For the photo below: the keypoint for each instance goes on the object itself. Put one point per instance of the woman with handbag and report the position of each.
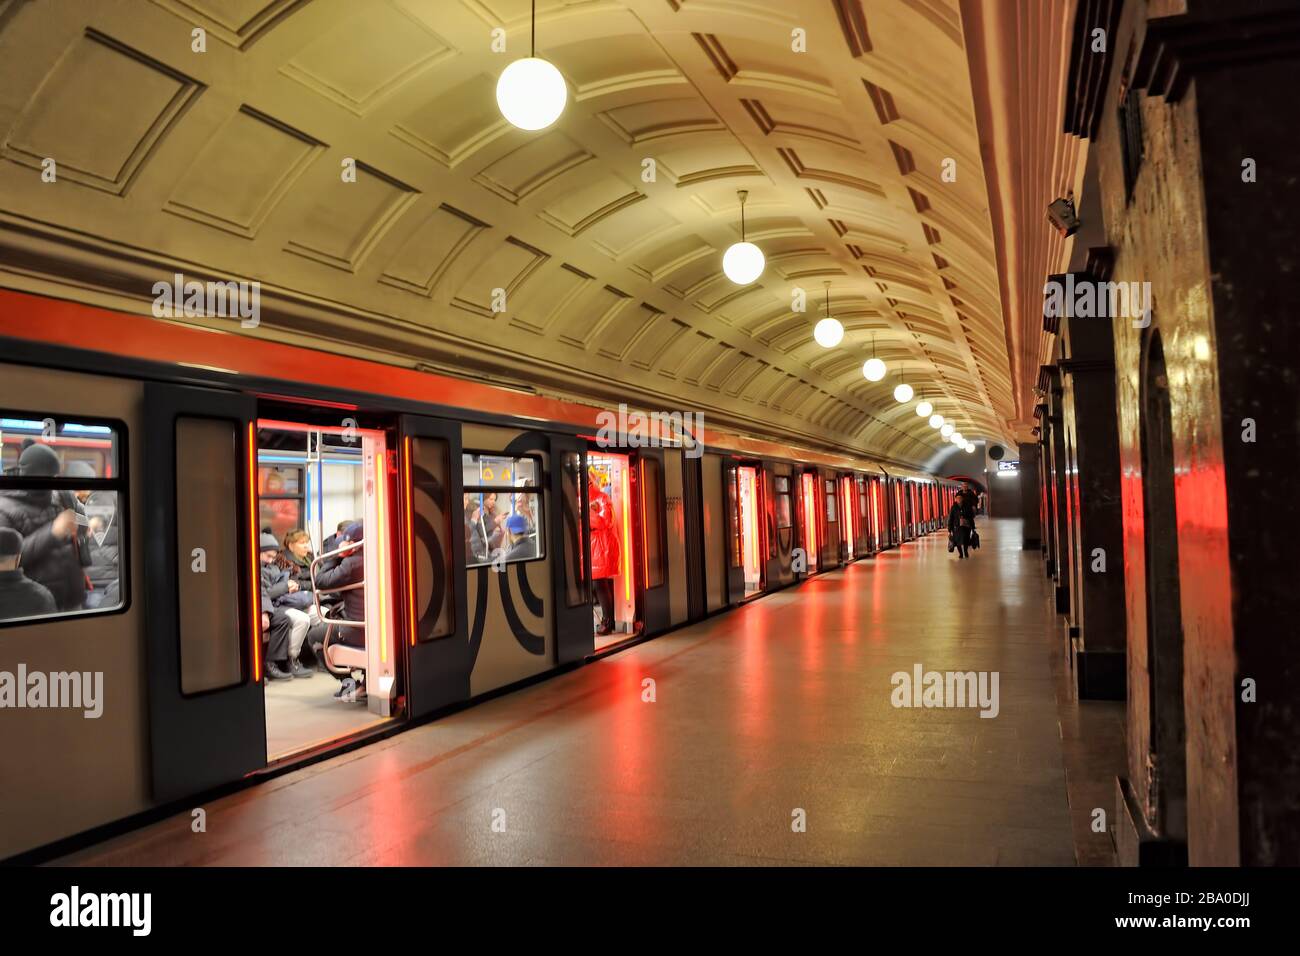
(961, 525)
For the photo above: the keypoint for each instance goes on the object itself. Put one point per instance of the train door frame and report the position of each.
(697, 607)
(570, 540)
(861, 500)
(780, 555)
(655, 604)
(209, 737)
(808, 518)
(735, 530)
(437, 666)
(830, 550)
(652, 612)
(848, 516)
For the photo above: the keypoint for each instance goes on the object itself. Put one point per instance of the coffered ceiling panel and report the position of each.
(581, 261)
(102, 109)
(242, 172)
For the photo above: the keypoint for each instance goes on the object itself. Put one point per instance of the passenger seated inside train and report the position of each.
(344, 573)
(282, 640)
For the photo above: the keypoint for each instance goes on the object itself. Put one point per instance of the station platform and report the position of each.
(772, 738)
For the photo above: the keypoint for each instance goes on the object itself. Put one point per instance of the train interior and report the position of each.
(314, 485)
(610, 480)
(748, 523)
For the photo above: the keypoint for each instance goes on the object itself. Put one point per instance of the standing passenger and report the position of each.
(47, 520)
(604, 556)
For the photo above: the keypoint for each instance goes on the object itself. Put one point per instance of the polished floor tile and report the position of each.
(773, 740)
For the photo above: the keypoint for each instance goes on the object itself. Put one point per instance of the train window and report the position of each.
(503, 513)
(207, 521)
(651, 523)
(280, 498)
(784, 503)
(62, 504)
(831, 510)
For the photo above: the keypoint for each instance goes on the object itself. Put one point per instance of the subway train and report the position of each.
(468, 510)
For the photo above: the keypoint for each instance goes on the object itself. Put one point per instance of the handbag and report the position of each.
(974, 538)
(952, 544)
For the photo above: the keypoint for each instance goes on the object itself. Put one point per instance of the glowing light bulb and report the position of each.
(903, 392)
(946, 430)
(828, 332)
(936, 421)
(531, 93)
(924, 409)
(873, 370)
(743, 262)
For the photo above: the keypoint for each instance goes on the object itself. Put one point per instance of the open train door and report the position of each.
(735, 566)
(648, 518)
(570, 542)
(207, 720)
(433, 557)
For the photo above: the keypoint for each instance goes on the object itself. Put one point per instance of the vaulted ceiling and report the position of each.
(227, 163)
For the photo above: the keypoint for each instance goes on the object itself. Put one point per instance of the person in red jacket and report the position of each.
(604, 555)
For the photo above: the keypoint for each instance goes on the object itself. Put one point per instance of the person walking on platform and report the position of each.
(961, 525)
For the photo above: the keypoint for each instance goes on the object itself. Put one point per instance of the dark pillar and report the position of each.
(1031, 520)
(1097, 628)
(1058, 470)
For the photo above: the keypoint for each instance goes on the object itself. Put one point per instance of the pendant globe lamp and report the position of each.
(829, 332)
(531, 93)
(902, 391)
(923, 408)
(936, 420)
(873, 369)
(743, 261)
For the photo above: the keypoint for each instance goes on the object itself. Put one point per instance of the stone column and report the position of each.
(1031, 527)
(1097, 627)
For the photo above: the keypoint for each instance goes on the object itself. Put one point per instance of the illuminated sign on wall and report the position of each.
(1008, 466)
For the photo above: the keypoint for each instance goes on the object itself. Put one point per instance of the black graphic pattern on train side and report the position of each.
(521, 445)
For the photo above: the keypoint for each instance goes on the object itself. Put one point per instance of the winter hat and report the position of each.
(38, 461)
(517, 524)
(268, 542)
(80, 469)
(11, 543)
(354, 531)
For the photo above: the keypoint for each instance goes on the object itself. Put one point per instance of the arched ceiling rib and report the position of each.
(228, 162)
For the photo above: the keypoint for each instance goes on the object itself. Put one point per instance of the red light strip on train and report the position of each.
(254, 536)
(411, 581)
(627, 540)
(645, 549)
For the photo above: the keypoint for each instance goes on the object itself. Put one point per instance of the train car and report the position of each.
(445, 538)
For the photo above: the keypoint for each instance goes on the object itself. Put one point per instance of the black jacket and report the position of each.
(335, 574)
(22, 597)
(51, 561)
(103, 571)
(275, 582)
(959, 510)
